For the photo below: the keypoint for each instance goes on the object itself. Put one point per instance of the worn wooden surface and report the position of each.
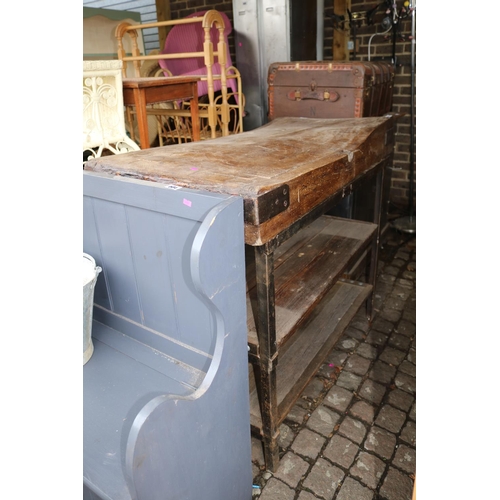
(308, 349)
(310, 158)
(140, 92)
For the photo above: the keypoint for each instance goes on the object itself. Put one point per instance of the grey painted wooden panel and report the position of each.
(162, 343)
(145, 260)
(146, 195)
(114, 391)
(216, 274)
(166, 391)
(116, 260)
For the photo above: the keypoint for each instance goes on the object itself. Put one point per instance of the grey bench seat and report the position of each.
(166, 410)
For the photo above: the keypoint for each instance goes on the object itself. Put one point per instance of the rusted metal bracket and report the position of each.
(267, 205)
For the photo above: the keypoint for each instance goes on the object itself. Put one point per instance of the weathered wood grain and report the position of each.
(315, 158)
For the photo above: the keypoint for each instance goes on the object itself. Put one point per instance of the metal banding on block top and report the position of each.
(269, 205)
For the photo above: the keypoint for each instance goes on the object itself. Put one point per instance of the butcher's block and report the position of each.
(282, 170)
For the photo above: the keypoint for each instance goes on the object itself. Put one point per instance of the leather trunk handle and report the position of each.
(325, 95)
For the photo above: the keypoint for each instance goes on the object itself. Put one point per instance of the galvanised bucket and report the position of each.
(90, 274)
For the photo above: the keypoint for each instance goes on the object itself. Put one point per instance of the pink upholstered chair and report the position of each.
(189, 38)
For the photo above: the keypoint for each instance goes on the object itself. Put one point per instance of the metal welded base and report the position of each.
(406, 224)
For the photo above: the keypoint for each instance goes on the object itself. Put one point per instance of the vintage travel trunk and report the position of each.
(335, 89)
(329, 89)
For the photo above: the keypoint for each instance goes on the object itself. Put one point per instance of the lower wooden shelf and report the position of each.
(305, 267)
(307, 349)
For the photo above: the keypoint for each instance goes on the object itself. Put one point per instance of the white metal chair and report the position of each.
(103, 111)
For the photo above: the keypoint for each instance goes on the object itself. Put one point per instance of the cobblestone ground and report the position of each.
(352, 434)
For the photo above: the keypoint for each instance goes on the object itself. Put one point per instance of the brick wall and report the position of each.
(380, 47)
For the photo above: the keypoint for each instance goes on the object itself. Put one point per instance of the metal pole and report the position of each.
(320, 11)
(408, 224)
(412, 111)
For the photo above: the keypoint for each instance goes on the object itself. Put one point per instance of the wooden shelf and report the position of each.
(310, 346)
(305, 268)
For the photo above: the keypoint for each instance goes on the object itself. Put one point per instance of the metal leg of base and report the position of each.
(373, 261)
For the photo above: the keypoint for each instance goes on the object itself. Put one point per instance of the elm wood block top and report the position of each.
(282, 170)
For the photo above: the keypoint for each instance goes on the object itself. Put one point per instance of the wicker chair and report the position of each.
(215, 74)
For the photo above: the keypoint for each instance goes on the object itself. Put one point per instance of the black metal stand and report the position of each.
(408, 224)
